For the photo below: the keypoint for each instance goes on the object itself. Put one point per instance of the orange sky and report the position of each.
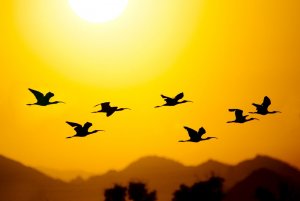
(221, 54)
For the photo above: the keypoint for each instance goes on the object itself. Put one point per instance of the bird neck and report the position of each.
(55, 102)
(251, 119)
(207, 138)
(184, 101)
(120, 109)
(273, 112)
(184, 141)
(94, 131)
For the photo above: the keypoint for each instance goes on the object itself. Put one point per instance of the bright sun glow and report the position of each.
(98, 11)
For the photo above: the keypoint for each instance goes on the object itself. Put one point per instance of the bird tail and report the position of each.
(95, 112)
(183, 141)
(69, 137)
(29, 104)
(157, 106)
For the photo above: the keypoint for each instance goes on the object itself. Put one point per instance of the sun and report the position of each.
(98, 11)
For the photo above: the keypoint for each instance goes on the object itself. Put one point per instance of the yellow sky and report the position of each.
(221, 54)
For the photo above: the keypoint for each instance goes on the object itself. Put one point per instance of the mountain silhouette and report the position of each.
(65, 175)
(245, 168)
(161, 174)
(19, 182)
(165, 175)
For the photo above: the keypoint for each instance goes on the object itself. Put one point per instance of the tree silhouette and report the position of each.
(117, 193)
(210, 190)
(137, 191)
(184, 193)
(285, 193)
(263, 194)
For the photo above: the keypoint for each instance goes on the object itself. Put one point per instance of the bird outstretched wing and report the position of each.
(38, 95)
(238, 113)
(201, 131)
(165, 97)
(73, 124)
(87, 125)
(111, 111)
(266, 102)
(256, 105)
(192, 133)
(105, 106)
(179, 96)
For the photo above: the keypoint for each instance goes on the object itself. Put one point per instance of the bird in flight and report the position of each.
(106, 108)
(239, 117)
(43, 100)
(263, 108)
(196, 136)
(173, 101)
(82, 131)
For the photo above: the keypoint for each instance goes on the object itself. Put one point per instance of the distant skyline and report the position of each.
(221, 54)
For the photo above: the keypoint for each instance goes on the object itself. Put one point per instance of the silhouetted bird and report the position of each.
(106, 108)
(173, 101)
(42, 99)
(239, 118)
(82, 131)
(263, 108)
(196, 136)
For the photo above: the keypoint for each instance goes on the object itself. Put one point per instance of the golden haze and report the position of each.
(221, 54)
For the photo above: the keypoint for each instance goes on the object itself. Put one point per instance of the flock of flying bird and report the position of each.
(195, 136)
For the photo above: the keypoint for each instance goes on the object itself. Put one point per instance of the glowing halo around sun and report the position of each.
(98, 11)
